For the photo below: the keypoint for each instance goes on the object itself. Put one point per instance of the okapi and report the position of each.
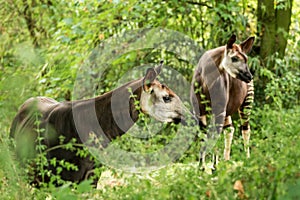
(74, 119)
(223, 82)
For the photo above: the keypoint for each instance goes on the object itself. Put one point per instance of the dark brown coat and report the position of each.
(107, 116)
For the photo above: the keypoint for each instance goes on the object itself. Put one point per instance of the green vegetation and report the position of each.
(45, 44)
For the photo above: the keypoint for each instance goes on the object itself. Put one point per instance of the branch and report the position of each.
(30, 22)
(199, 4)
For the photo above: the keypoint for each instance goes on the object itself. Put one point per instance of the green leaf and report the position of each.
(85, 186)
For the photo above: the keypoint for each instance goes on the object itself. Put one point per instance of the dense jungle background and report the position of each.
(44, 43)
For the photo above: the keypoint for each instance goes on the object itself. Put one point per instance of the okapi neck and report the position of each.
(116, 110)
(218, 57)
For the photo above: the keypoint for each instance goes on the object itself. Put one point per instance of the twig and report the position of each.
(199, 4)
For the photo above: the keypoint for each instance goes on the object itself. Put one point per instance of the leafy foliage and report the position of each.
(43, 44)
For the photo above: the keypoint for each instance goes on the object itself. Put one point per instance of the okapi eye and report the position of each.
(167, 99)
(234, 59)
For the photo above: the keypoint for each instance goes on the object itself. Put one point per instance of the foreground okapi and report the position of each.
(223, 82)
(75, 119)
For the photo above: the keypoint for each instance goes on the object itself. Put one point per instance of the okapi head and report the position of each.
(158, 101)
(235, 59)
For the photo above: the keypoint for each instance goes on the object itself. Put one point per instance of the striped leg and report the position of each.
(228, 135)
(245, 111)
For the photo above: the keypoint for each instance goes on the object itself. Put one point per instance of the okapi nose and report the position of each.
(185, 119)
(245, 76)
(251, 76)
(178, 120)
(248, 77)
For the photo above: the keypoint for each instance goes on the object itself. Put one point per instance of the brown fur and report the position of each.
(76, 119)
(213, 87)
(233, 88)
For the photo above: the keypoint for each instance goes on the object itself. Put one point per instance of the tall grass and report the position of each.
(273, 170)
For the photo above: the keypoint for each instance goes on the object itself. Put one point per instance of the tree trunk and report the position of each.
(275, 22)
(266, 15)
(283, 21)
(273, 25)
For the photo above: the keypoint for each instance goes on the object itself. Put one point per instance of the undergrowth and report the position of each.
(272, 171)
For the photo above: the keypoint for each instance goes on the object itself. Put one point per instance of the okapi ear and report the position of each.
(231, 42)
(247, 45)
(158, 68)
(150, 76)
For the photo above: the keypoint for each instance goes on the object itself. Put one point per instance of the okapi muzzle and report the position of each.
(245, 75)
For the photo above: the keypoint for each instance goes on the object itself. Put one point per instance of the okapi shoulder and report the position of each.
(211, 59)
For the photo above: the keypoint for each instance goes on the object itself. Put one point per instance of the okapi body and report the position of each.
(223, 82)
(75, 119)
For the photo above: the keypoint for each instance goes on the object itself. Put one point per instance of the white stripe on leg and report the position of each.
(246, 137)
(228, 135)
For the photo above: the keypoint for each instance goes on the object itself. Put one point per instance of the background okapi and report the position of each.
(223, 82)
(46, 118)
